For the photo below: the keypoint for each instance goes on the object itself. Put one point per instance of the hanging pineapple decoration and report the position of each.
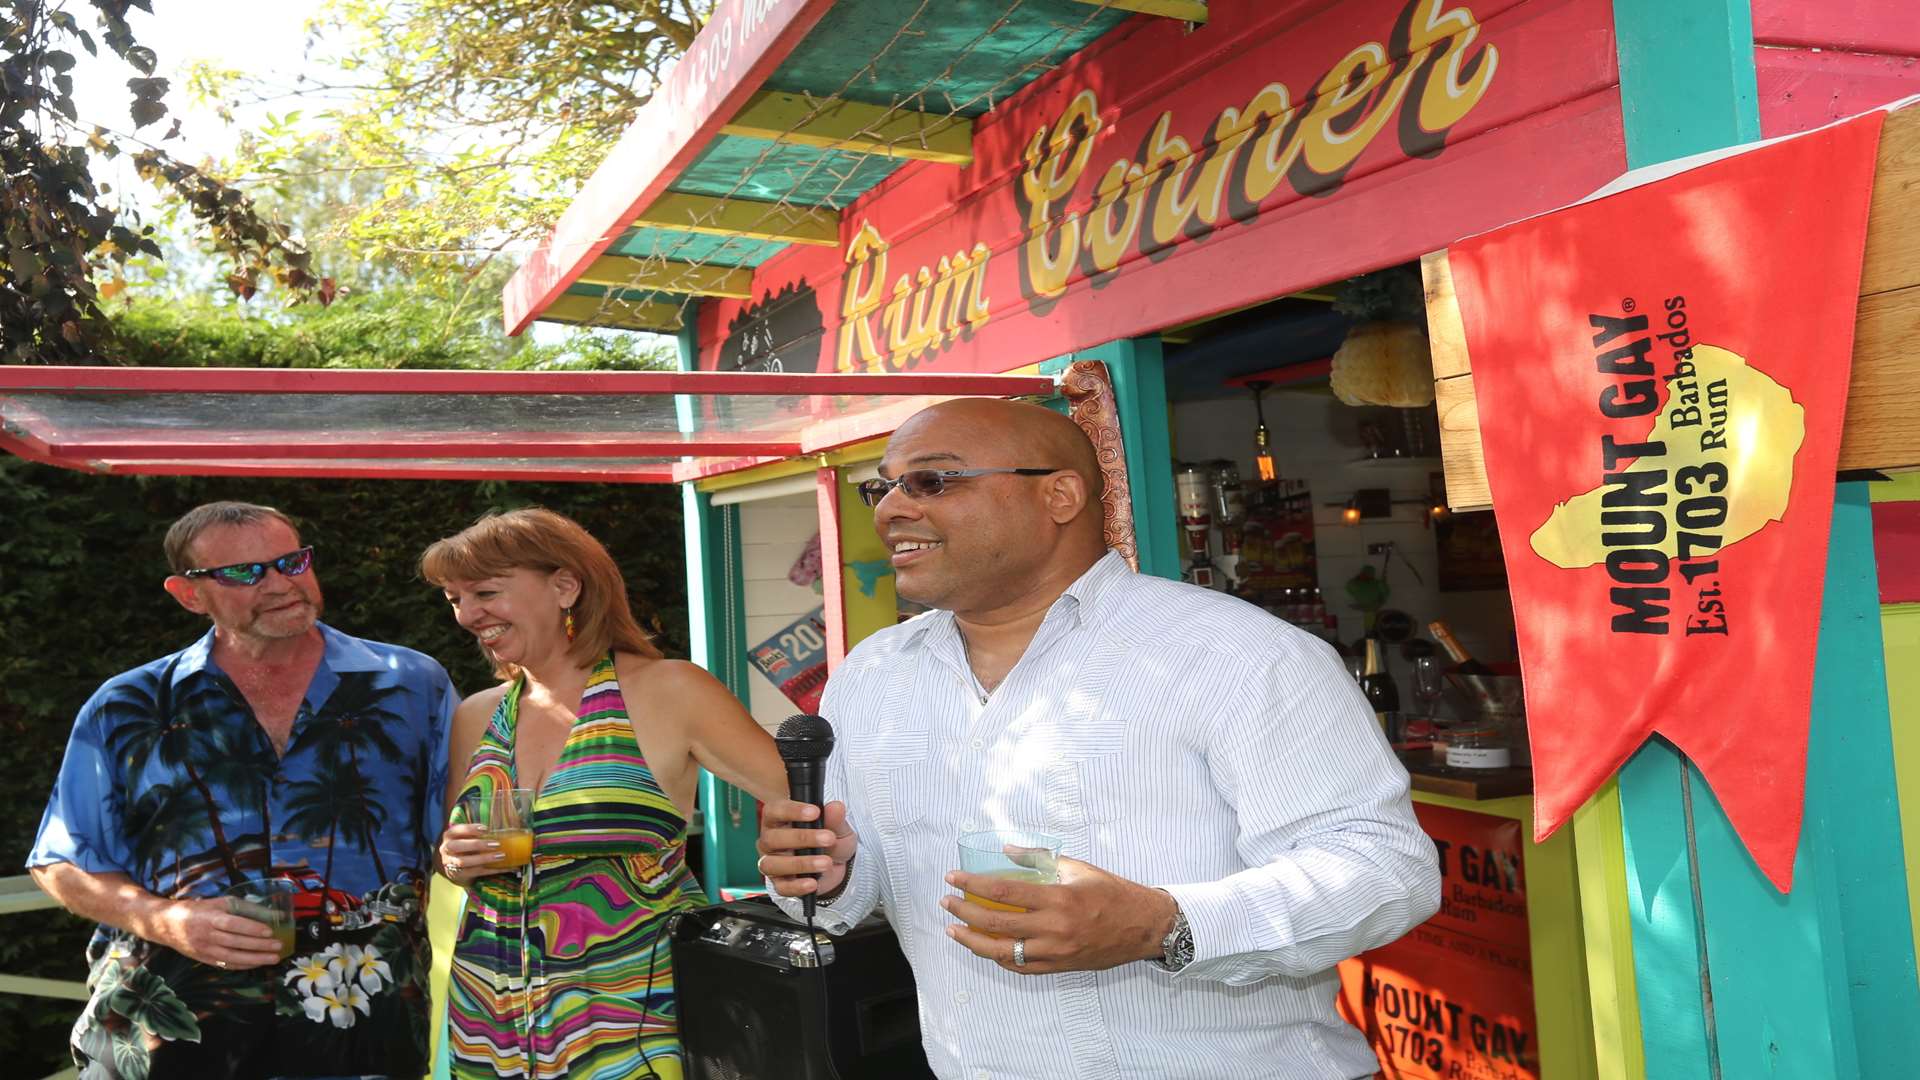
(1384, 359)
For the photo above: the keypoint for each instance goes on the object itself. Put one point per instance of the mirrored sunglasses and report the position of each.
(292, 564)
(926, 483)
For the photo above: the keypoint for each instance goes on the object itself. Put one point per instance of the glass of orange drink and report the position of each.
(1016, 854)
(506, 818)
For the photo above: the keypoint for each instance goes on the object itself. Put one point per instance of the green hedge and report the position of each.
(80, 600)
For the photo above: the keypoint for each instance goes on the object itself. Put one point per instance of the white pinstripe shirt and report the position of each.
(1174, 736)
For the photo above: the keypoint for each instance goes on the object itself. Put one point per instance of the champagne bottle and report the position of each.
(1464, 663)
(1378, 685)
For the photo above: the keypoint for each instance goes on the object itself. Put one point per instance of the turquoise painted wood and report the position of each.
(1736, 980)
(1686, 86)
(1138, 371)
(1823, 982)
(716, 632)
(1686, 76)
(1667, 944)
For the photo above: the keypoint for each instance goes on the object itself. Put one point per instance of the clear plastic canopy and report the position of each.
(635, 426)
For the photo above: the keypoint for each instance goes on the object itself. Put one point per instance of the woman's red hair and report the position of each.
(539, 539)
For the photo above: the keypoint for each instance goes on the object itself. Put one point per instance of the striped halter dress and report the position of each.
(569, 974)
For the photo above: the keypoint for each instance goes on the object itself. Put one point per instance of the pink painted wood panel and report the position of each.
(1876, 26)
(1801, 89)
(1816, 61)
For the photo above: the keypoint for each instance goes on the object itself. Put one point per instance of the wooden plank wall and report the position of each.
(1883, 409)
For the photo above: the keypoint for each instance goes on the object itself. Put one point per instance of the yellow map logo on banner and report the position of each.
(1723, 471)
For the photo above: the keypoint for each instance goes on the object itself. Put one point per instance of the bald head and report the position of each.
(991, 539)
(1026, 434)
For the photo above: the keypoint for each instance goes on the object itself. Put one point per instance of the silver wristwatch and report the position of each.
(1176, 949)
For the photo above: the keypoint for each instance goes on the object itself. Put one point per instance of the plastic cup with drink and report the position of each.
(269, 901)
(505, 817)
(1024, 855)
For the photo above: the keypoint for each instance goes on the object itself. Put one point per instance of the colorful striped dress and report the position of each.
(579, 972)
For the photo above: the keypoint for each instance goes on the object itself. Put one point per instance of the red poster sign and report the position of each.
(1453, 1000)
(1661, 375)
(1163, 174)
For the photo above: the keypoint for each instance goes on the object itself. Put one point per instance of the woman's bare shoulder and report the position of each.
(479, 706)
(672, 687)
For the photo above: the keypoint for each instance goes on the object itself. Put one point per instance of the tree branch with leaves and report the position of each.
(66, 244)
(481, 118)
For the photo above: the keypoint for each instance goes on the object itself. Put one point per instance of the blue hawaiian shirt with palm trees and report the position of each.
(170, 779)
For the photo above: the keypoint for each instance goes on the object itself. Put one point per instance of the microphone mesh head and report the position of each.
(804, 738)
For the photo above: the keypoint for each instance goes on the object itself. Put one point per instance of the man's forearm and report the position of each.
(110, 898)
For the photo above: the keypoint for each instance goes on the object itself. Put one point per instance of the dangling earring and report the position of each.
(568, 611)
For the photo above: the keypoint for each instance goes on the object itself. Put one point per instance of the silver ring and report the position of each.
(1019, 952)
(220, 963)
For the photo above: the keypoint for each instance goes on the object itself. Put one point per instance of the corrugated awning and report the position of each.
(640, 426)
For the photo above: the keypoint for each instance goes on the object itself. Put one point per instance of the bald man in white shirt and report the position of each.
(1233, 822)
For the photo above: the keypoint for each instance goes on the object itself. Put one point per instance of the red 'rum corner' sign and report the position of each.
(1661, 375)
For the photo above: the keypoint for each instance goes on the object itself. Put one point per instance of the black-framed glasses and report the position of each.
(292, 564)
(926, 483)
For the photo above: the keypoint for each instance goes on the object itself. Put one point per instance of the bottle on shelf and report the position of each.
(1463, 661)
(1379, 687)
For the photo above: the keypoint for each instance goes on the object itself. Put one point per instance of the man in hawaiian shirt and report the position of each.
(275, 747)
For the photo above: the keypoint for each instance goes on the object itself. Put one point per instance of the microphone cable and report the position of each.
(826, 999)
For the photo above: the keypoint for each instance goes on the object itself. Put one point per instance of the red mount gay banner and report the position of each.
(1661, 375)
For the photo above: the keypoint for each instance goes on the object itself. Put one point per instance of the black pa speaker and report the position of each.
(755, 1006)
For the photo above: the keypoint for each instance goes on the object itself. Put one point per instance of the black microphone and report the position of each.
(805, 743)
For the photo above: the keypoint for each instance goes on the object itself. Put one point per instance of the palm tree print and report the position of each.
(337, 800)
(177, 737)
(354, 720)
(244, 766)
(166, 819)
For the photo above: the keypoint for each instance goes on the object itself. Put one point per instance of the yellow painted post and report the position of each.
(1600, 858)
(446, 902)
(1561, 1003)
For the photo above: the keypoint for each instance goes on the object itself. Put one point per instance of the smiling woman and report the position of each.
(613, 792)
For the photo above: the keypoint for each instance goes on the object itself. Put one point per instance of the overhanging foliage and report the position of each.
(62, 234)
